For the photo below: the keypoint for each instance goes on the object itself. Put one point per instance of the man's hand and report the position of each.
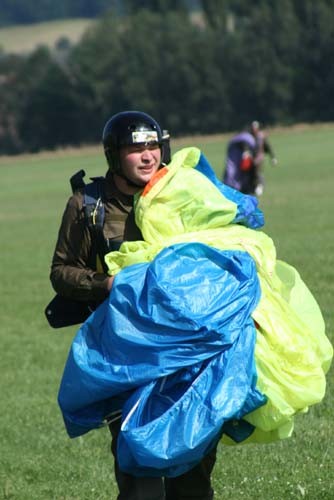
(110, 282)
(274, 161)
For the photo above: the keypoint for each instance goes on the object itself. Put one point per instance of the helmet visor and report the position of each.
(144, 137)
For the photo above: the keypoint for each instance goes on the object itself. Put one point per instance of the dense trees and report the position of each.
(213, 72)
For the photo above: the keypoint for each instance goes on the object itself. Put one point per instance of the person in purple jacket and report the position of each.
(245, 155)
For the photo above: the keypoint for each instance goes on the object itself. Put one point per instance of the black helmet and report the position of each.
(126, 128)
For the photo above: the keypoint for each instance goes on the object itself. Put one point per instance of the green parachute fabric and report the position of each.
(292, 352)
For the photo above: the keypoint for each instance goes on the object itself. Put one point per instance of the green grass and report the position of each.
(37, 459)
(17, 39)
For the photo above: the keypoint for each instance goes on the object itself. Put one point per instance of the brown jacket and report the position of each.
(72, 275)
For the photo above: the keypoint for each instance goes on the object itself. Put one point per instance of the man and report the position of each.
(245, 155)
(135, 148)
(262, 144)
(262, 147)
(240, 170)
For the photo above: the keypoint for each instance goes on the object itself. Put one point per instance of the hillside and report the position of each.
(19, 39)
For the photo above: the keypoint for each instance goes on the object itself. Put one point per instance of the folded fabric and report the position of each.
(154, 323)
(205, 334)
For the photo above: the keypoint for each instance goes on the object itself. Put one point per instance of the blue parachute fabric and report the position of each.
(190, 304)
(172, 423)
(248, 213)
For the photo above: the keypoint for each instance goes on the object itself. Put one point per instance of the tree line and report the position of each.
(214, 72)
(34, 11)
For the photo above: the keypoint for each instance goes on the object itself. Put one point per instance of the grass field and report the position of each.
(37, 459)
(17, 39)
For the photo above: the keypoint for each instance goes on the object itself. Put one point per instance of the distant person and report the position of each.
(245, 155)
(262, 147)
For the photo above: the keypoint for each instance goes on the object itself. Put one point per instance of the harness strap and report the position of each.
(94, 210)
(95, 213)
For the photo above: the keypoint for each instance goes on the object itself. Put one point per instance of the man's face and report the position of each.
(139, 162)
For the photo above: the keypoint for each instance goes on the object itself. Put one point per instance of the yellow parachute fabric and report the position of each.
(292, 351)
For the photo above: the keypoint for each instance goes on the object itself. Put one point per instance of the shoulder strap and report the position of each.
(94, 203)
(94, 214)
(93, 206)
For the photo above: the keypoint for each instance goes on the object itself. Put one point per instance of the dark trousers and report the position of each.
(193, 485)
